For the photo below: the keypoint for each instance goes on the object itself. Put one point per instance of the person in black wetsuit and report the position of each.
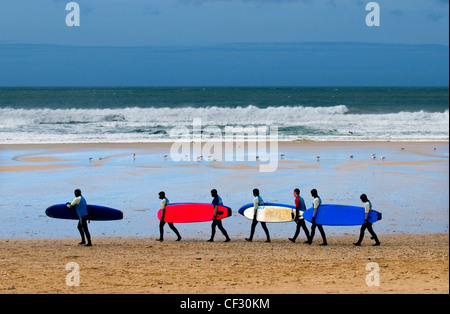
(257, 201)
(217, 201)
(316, 203)
(367, 225)
(80, 205)
(300, 207)
(164, 202)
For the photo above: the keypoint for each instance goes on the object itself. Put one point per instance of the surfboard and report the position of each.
(193, 212)
(269, 212)
(95, 212)
(341, 215)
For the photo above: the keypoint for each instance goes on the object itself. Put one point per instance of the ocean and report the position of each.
(148, 114)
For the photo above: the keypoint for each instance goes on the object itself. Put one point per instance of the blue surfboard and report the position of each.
(95, 212)
(341, 215)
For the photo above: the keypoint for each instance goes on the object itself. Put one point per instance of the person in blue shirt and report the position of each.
(80, 205)
(217, 201)
(300, 207)
(257, 201)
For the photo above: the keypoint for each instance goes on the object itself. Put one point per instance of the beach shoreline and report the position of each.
(406, 264)
(165, 144)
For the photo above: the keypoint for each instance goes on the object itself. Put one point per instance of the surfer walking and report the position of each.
(80, 205)
(367, 225)
(300, 207)
(257, 201)
(217, 201)
(316, 203)
(164, 202)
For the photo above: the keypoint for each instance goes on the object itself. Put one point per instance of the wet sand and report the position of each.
(407, 264)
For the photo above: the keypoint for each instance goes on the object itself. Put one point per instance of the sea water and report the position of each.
(91, 115)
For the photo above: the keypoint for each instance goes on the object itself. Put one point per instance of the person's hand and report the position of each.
(68, 204)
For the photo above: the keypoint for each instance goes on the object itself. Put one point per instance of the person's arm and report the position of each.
(163, 208)
(316, 205)
(366, 211)
(297, 208)
(75, 202)
(255, 207)
(215, 202)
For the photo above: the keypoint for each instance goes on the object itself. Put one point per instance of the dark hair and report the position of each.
(297, 191)
(255, 192)
(364, 198)
(77, 192)
(214, 192)
(314, 193)
(162, 195)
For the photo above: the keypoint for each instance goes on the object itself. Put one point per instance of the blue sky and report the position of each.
(213, 28)
(204, 22)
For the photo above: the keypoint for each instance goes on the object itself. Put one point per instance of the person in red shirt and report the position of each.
(300, 207)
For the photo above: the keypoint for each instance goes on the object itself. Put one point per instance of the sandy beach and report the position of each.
(402, 181)
(407, 264)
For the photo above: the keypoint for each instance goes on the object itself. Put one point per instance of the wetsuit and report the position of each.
(217, 201)
(80, 205)
(165, 202)
(258, 201)
(316, 203)
(299, 209)
(367, 225)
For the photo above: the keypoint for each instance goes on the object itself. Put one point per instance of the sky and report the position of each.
(29, 27)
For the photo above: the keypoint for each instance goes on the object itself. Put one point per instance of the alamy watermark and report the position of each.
(73, 277)
(373, 18)
(232, 143)
(73, 17)
(373, 278)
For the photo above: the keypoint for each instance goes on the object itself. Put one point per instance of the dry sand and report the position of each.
(407, 264)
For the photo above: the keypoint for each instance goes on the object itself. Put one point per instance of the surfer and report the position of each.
(367, 225)
(316, 203)
(217, 201)
(80, 205)
(164, 202)
(299, 209)
(257, 201)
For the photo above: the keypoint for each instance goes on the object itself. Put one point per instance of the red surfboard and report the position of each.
(193, 212)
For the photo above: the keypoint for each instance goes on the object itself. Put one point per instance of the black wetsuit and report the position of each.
(83, 228)
(217, 201)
